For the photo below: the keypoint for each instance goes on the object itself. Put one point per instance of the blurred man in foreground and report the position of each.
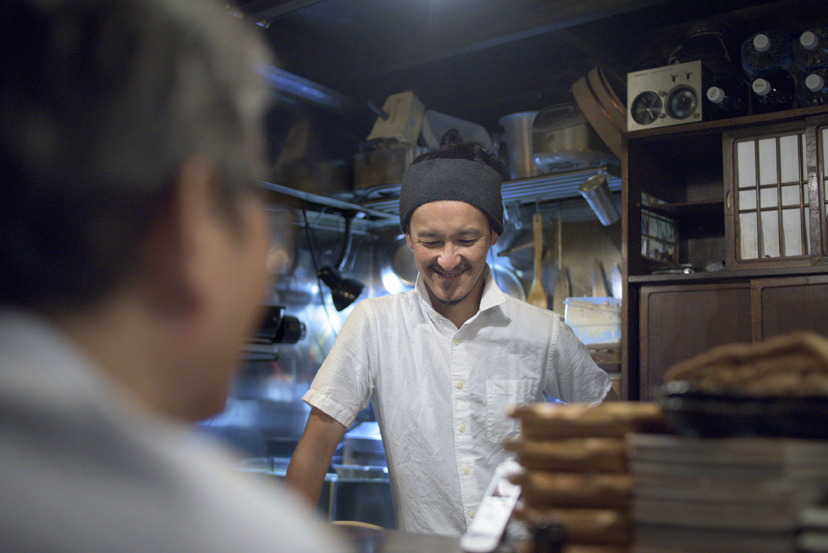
(132, 266)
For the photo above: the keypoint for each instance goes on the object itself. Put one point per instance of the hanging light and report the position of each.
(344, 291)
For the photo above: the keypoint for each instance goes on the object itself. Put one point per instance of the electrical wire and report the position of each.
(312, 247)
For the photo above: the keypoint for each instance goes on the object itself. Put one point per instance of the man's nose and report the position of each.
(449, 257)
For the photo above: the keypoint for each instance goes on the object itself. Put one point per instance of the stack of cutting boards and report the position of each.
(576, 472)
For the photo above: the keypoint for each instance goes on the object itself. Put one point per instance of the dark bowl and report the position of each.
(707, 414)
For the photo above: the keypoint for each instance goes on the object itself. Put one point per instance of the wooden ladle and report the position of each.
(537, 295)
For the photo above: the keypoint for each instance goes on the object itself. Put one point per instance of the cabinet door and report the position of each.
(782, 305)
(680, 322)
(768, 197)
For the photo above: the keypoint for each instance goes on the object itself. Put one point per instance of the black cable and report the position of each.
(311, 243)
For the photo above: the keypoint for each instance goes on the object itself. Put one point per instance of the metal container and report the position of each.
(518, 127)
(598, 196)
(363, 446)
(563, 140)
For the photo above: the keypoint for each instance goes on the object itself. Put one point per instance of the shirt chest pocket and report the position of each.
(500, 394)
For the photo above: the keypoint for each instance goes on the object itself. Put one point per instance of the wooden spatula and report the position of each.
(537, 296)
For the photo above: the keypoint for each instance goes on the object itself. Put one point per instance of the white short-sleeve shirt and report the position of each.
(441, 393)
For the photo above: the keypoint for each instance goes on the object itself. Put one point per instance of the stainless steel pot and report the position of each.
(518, 127)
(563, 140)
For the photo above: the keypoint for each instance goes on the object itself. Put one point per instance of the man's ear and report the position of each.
(409, 241)
(178, 237)
(495, 236)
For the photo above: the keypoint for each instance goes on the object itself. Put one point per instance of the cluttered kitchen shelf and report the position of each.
(544, 188)
(380, 204)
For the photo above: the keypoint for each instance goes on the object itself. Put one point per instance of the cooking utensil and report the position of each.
(562, 288)
(519, 247)
(615, 279)
(510, 251)
(537, 296)
(548, 275)
(599, 285)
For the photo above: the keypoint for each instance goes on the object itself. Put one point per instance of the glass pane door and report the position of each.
(771, 199)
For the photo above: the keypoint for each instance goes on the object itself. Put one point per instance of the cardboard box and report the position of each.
(405, 119)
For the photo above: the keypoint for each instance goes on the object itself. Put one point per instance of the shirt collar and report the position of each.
(492, 295)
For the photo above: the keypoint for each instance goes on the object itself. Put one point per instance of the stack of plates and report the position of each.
(813, 534)
(575, 470)
(722, 495)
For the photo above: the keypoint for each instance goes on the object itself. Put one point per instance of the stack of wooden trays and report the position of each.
(576, 475)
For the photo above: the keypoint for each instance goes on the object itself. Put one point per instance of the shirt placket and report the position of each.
(462, 420)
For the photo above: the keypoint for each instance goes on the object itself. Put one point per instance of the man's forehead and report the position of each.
(448, 218)
(441, 209)
(425, 232)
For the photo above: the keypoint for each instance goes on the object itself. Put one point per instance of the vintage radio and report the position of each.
(663, 96)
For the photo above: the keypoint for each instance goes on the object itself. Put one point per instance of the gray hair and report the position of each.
(102, 101)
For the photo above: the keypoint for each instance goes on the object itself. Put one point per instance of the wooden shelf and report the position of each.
(726, 275)
(694, 219)
(727, 124)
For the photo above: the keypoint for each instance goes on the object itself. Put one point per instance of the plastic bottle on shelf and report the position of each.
(811, 50)
(774, 90)
(765, 51)
(727, 97)
(813, 89)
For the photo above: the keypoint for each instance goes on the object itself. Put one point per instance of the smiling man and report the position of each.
(445, 360)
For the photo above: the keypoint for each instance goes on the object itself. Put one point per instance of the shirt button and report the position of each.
(456, 341)
(472, 513)
(462, 428)
(466, 470)
(459, 384)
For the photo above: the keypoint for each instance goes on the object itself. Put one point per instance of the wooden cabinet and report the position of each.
(743, 202)
(781, 305)
(680, 321)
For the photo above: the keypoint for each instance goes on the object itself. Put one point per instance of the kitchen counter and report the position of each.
(369, 540)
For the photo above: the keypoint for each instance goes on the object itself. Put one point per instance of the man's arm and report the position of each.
(312, 457)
